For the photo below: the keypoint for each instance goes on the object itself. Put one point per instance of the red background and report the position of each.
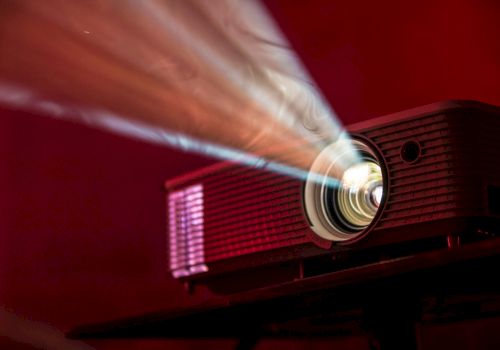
(82, 236)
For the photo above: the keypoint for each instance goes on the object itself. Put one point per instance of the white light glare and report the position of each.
(356, 176)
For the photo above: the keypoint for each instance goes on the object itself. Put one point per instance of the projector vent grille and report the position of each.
(244, 211)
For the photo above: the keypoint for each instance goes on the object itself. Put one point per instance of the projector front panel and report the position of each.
(438, 184)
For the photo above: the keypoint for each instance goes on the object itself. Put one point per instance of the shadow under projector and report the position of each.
(429, 178)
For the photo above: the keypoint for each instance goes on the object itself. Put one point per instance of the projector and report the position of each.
(426, 179)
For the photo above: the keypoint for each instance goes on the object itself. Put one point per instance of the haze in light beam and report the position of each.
(215, 77)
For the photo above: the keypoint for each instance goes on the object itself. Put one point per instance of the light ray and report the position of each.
(213, 77)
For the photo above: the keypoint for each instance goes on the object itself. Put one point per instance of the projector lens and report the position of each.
(343, 194)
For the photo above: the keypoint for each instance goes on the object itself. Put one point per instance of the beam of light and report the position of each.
(214, 77)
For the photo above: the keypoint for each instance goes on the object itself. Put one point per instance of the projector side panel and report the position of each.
(231, 211)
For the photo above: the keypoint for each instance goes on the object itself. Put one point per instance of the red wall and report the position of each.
(371, 58)
(82, 230)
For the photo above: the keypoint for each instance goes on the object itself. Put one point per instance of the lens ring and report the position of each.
(343, 209)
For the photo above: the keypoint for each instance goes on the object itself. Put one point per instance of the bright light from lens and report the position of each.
(356, 175)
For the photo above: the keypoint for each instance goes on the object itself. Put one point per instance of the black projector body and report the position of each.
(436, 171)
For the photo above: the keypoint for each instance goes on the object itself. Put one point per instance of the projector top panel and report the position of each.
(414, 113)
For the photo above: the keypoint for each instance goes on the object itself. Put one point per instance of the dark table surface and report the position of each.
(439, 286)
